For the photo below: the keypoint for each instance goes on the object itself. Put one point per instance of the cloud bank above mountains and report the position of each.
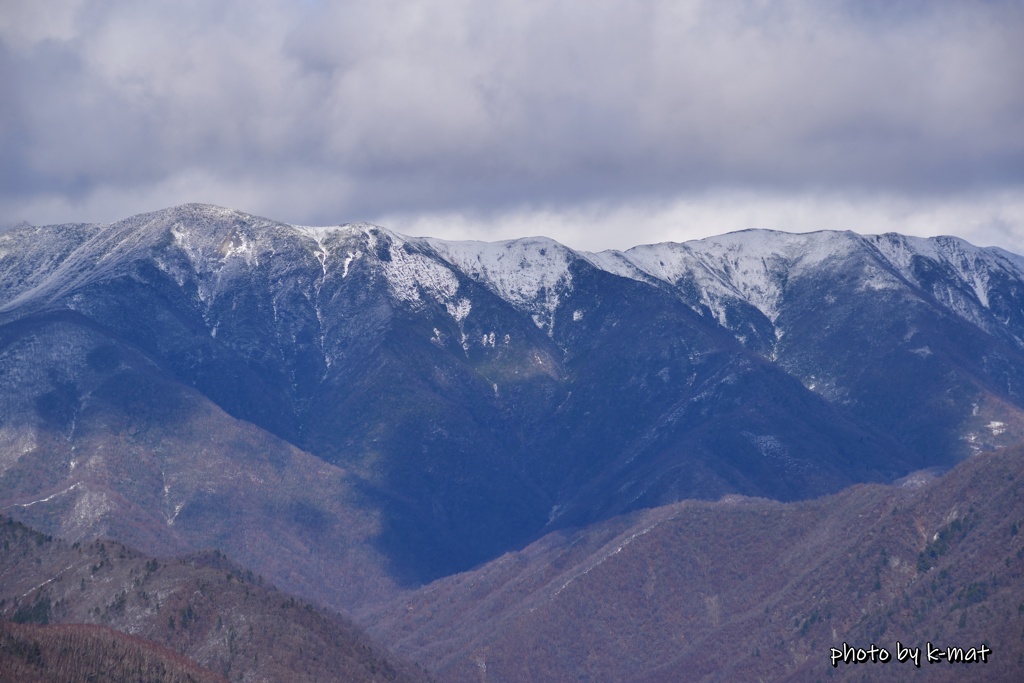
(602, 124)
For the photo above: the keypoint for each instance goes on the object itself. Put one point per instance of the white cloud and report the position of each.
(329, 111)
(988, 219)
(25, 23)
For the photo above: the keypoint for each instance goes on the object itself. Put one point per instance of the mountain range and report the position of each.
(354, 414)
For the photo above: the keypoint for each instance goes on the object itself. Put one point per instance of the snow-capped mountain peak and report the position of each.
(529, 273)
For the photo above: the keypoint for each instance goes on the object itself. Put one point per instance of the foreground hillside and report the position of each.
(203, 608)
(697, 590)
(746, 589)
(81, 653)
(351, 412)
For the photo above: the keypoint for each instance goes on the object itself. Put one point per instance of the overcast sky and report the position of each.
(599, 123)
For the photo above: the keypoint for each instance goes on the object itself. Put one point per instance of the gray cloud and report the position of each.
(322, 112)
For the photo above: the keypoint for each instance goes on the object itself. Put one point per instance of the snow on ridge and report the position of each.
(33, 256)
(667, 261)
(411, 273)
(754, 265)
(1015, 261)
(972, 266)
(322, 232)
(330, 253)
(532, 274)
(750, 265)
(102, 251)
(672, 263)
(617, 263)
(528, 273)
(900, 250)
(796, 252)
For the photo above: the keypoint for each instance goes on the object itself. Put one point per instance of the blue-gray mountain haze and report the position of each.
(351, 411)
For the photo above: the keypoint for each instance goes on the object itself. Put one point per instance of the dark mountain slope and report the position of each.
(203, 607)
(921, 338)
(100, 442)
(82, 653)
(462, 398)
(745, 589)
(665, 407)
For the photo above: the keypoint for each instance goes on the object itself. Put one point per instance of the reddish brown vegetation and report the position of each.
(203, 607)
(745, 589)
(80, 652)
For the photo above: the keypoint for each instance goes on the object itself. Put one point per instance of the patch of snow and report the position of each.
(555, 513)
(617, 263)
(915, 480)
(772, 448)
(876, 280)
(177, 509)
(238, 245)
(605, 555)
(411, 274)
(48, 498)
(352, 256)
(53, 578)
(322, 255)
(972, 442)
(528, 273)
(90, 508)
(15, 443)
(460, 309)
